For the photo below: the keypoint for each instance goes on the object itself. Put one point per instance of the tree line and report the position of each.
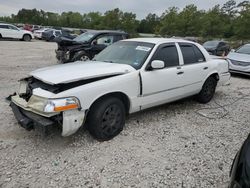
(230, 20)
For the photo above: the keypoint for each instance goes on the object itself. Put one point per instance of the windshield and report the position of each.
(126, 52)
(211, 43)
(85, 37)
(244, 49)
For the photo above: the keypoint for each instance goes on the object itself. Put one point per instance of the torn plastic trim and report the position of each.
(72, 121)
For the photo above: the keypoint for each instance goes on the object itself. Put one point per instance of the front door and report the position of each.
(162, 85)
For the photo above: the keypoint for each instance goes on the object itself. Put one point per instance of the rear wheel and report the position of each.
(26, 37)
(106, 118)
(207, 91)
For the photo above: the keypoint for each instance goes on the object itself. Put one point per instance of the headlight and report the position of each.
(58, 105)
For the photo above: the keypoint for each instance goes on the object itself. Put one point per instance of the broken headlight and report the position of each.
(63, 104)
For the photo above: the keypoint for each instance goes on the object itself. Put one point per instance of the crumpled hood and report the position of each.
(239, 57)
(71, 72)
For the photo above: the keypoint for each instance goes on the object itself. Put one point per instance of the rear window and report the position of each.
(191, 54)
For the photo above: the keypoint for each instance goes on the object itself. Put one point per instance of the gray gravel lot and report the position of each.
(183, 144)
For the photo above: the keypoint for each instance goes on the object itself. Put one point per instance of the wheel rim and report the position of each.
(84, 58)
(111, 119)
(26, 38)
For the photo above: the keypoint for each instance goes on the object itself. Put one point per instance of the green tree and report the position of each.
(169, 22)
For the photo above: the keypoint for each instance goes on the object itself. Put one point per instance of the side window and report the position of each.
(168, 54)
(13, 28)
(4, 26)
(106, 40)
(191, 54)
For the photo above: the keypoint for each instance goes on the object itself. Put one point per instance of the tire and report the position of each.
(106, 118)
(1, 36)
(27, 38)
(207, 91)
(83, 57)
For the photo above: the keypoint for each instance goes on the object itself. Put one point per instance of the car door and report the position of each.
(195, 68)
(101, 42)
(14, 32)
(161, 85)
(221, 48)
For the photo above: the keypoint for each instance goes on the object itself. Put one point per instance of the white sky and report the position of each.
(140, 7)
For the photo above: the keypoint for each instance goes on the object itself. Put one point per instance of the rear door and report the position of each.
(194, 68)
(5, 32)
(161, 85)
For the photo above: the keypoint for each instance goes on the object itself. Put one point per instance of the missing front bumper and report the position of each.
(30, 120)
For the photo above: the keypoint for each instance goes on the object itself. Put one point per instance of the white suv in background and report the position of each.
(11, 31)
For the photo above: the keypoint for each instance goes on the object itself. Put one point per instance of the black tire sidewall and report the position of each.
(202, 96)
(95, 117)
(78, 57)
(25, 39)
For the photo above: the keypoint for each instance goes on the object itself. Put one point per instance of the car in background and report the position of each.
(239, 60)
(52, 34)
(240, 169)
(216, 47)
(13, 32)
(87, 45)
(126, 77)
(38, 33)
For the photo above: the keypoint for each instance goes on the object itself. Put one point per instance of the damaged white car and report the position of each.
(128, 76)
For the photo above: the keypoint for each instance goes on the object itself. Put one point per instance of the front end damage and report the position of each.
(35, 108)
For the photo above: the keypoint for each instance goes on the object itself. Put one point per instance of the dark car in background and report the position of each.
(87, 45)
(52, 34)
(216, 47)
(240, 170)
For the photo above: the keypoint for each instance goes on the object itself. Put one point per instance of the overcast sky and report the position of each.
(140, 7)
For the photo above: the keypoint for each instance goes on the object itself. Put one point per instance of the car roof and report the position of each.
(158, 40)
(5, 24)
(106, 31)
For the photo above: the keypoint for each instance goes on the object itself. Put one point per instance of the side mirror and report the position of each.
(157, 64)
(233, 50)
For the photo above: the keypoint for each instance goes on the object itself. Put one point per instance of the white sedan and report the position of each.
(240, 60)
(13, 32)
(127, 77)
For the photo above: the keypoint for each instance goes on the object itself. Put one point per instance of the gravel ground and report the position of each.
(182, 144)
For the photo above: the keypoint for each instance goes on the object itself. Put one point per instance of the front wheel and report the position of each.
(83, 56)
(106, 118)
(26, 38)
(207, 91)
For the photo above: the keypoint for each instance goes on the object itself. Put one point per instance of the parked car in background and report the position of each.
(51, 34)
(126, 77)
(38, 33)
(13, 32)
(240, 60)
(240, 169)
(216, 47)
(87, 45)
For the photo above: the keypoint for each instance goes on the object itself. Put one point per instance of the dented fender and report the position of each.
(72, 121)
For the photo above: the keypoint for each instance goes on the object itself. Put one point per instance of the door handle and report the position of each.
(181, 72)
(205, 68)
